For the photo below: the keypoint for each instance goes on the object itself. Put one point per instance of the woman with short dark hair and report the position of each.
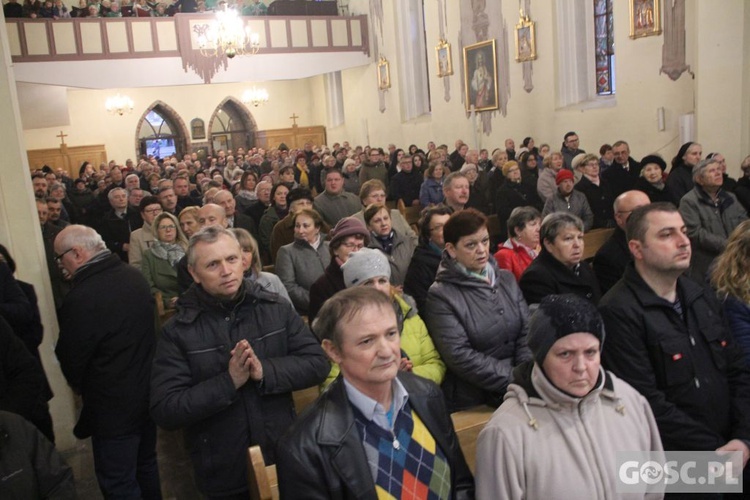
(522, 245)
(476, 315)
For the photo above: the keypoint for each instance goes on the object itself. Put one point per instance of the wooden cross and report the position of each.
(62, 138)
(294, 119)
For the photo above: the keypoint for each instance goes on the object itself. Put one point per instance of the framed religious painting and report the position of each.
(645, 18)
(525, 40)
(480, 76)
(384, 74)
(444, 59)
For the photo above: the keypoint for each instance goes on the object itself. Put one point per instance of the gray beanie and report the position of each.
(561, 315)
(364, 265)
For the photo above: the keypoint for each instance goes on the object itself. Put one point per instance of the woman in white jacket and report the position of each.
(564, 418)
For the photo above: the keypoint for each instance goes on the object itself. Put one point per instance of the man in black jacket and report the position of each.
(375, 426)
(105, 350)
(667, 338)
(624, 171)
(226, 365)
(612, 258)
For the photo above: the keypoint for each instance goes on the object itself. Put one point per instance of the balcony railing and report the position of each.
(43, 40)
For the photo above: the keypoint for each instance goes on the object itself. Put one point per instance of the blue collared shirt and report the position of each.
(374, 411)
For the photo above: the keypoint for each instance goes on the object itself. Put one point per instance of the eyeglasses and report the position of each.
(167, 228)
(153, 211)
(353, 246)
(59, 257)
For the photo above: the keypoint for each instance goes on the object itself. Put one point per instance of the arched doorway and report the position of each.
(161, 132)
(231, 126)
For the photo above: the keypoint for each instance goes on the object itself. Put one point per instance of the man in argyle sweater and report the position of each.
(377, 432)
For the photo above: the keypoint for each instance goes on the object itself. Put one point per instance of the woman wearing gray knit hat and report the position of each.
(370, 268)
(564, 418)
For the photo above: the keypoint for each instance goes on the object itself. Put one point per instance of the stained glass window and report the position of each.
(605, 47)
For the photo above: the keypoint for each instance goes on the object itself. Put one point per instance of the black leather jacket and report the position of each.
(322, 457)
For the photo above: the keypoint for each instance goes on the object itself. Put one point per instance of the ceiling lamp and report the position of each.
(119, 104)
(255, 96)
(227, 34)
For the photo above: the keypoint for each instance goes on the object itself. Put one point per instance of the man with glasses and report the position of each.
(142, 239)
(105, 349)
(374, 168)
(570, 149)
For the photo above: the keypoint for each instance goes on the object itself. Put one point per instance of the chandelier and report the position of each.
(119, 104)
(255, 96)
(226, 35)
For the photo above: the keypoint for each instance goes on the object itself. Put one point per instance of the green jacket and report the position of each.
(415, 342)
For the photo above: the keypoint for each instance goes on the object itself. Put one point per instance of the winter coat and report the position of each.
(161, 276)
(334, 207)
(611, 259)
(400, 256)
(265, 228)
(480, 331)
(709, 225)
(680, 181)
(299, 265)
(106, 344)
(325, 287)
(620, 180)
(370, 170)
(513, 257)
(545, 443)
(322, 456)
(546, 185)
(421, 273)
(192, 389)
(406, 186)
(512, 195)
(600, 199)
(30, 465)
(654, 193)
(576, 204)
(691, 370)
(738, 318)
(415, 343)
(547, 275)
(140, 242)
(398, 224)
(431, 192)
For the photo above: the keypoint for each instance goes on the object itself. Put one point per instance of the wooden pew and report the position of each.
(593, 241)
(305, 397)
(411, 214)
(468, 424)
(261, 479)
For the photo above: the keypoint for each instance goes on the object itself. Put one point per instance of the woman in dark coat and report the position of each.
(476, 316)
(652, 182)
(560, 267)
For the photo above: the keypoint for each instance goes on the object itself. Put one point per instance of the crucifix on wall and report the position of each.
(63, 146)
(294, 120)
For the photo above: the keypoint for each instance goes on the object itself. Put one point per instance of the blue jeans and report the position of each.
(126, 465)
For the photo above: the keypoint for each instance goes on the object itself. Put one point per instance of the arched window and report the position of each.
(231, 127)
(161, 132)
(605, 47)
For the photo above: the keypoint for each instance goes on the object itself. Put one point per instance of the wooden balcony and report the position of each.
(111, 39)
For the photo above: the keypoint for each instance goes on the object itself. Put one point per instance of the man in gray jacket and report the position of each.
(710, 214)
(567, 199)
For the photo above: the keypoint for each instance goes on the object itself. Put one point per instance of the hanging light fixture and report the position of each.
(227, 34)
(119, 104)
(255, 96)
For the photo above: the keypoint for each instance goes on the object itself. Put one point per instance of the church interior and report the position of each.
(683, 76)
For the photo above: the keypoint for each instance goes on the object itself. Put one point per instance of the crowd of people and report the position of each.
(291, 268)
(56, 9)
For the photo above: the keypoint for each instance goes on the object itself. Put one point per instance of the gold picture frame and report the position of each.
(645, 18)
(480, 76)
(444, 58)
(384, 74)
(525, 40)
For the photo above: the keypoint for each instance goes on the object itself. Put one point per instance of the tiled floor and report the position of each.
(177, 482)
